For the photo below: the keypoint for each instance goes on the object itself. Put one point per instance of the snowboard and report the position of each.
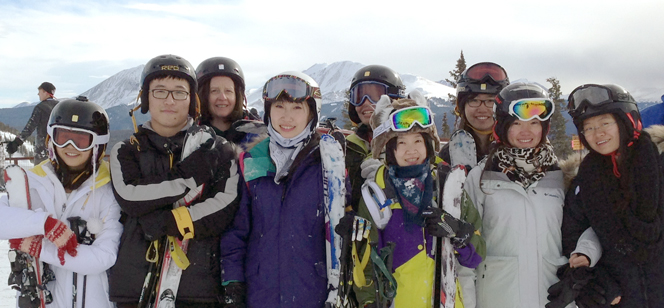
(32, 288)
(463, 150)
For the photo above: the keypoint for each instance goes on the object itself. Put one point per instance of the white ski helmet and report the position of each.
(296, 86)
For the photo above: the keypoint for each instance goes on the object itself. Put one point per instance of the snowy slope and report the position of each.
(7, 295)
(119, 89)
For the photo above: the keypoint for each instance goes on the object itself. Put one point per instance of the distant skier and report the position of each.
(149, 177)
(275, 254)
(73, 182)
(653, 115)
(38, 120)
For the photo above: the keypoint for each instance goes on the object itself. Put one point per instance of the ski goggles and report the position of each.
(590, 94)
(531, 108)
(292, 87)
(404, 119)
(371, 90)
(80, 139)
(480, 71)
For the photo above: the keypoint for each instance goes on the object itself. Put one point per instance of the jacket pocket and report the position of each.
(498, 282)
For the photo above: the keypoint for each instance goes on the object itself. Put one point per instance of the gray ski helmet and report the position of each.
(480, 78)
(381, 74)
(505, 97)
(169, 65)
(589, 100)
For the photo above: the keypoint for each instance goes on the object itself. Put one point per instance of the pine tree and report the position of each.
(446, 128)
(562, 143)
(460, 67)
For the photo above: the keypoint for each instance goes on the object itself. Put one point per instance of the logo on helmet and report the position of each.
(170, 67)
(316, 93)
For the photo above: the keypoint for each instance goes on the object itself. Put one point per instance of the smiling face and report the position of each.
(605, 135)
(72, 157)
(525, 134)
(167, 115)
(480, 117)
(221, 98)
(411, 149)
(289, 119)
(365, 111)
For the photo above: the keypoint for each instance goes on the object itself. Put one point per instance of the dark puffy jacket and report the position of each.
(357, 150)
(39, 121)
(144, 184)
(277, 243)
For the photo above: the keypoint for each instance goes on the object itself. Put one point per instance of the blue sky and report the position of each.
(77, 44)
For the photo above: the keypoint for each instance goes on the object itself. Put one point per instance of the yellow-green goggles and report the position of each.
(404, 119)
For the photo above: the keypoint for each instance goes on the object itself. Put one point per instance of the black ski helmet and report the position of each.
(169, 65)
(589, 100)
(505, 97)
(220, 66)
(480, 78)
(378, 73)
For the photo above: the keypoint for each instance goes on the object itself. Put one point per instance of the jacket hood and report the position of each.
(570, 167)
(657, 135)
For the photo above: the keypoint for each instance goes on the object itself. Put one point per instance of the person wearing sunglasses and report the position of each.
(73, 184)
(274, 255)
(477, 87)
(367, 86)
(618, 192)
(518, 190)
(173, 179)
(405, 130)
(223, 102)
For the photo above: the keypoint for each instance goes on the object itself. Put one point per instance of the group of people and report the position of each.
(249, 196)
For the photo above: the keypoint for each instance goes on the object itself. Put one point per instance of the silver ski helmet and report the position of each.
(294, 86)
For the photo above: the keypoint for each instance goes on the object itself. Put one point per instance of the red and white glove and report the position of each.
(31, 245)
(59, 234)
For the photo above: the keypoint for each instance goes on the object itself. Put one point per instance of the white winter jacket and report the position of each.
(521, 228)
(49, 198)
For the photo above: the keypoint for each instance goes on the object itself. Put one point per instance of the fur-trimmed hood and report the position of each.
(657, 135)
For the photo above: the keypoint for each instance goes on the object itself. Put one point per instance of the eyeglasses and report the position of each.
(602, 127)
(590, 94)
(528, 109)
(81, 139)
(480, 71)
(404, 119)
(371, 90)
(177, 95)
(293, 87)
(478, 102)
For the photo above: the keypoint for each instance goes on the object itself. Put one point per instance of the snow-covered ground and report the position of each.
(6, 294)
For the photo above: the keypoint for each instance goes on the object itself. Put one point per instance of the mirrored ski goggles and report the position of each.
(590, 94)
(293, 87)
(81, 139)
(404, 119)
(481, 70)
(528, 109)
(371, 90)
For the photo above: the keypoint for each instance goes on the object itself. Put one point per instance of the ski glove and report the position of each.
(572, 280)
(369, 168)
(201, 164)
(59, 234)
(31, 245)
(235, 294)
(158, 224)
(12, 146)
(600, 291)
(440, 223)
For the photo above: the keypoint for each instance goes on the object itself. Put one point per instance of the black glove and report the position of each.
(235, 294)
(440, 223)
(159, 223)
(12, 146)
(345, 226)
(201, 164)
(572, 280)
(600, 291)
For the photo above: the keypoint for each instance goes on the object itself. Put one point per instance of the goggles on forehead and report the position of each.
(592, 95)
(293, 87)
(531, 108)
(481, 70)
(80, 139)
(404, 119)
(371, 90)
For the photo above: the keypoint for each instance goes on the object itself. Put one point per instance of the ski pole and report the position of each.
(73, 302)
(85, 282)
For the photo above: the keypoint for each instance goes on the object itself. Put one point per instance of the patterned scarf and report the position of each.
(525, 166)
(414, 189)
(284, 150)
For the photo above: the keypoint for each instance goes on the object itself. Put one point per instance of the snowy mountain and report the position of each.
(119, 89)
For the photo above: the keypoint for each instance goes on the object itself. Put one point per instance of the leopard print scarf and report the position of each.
(525, 166)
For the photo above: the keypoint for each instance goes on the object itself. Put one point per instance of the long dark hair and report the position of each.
(204, 93)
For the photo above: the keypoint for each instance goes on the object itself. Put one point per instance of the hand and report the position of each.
(31, 245)
(12, 146)
(440, 223)
(369, 168)
(579, 260)
(600, 291)
(59, 234)
(235, 294)
(201, 165)
(572, 280)
(158, 224)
